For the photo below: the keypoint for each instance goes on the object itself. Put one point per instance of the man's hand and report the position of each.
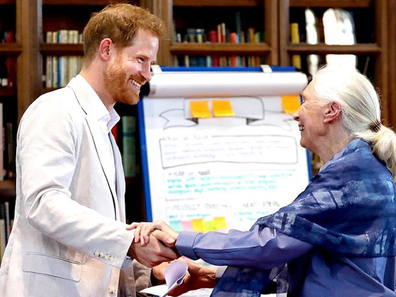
(143, 230)
(197, 277)
(153, 253)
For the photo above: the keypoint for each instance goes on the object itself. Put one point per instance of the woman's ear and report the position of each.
(332, 112)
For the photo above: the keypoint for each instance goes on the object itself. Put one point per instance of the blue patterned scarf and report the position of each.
(348, 208)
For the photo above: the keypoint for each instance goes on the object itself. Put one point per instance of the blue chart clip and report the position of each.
(263, 68)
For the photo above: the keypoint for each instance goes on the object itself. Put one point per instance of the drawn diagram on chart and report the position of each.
(223, 172)
(221, 151)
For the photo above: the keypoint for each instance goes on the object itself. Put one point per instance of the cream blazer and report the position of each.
(69, 236)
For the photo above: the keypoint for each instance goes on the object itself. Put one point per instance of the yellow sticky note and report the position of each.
(291, 103)
(220, 223)
(222, 108)
(200, 109)
(197, 225)
(208, 226)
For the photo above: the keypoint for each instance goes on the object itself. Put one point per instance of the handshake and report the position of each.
(155, 246)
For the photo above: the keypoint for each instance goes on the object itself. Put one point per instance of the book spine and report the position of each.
(2, 238)
(7, 220)
(2, 144)
(234, 58)
(295, 38)
(129, 145)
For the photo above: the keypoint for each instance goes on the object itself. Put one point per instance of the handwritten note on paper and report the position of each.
(174, 275)
(232, 149)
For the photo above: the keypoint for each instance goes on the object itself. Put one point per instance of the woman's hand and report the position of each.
(159, 229)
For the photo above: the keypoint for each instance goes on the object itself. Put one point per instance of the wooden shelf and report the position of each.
(61, 49)
(83, 2)
(7, 92)
(10, 49)
(331, 3)
(218, 3)
(322, 49)
(7, 2)
(219, 48)
(7, 190)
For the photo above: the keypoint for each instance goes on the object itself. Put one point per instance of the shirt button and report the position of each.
(111, 258)
(112, 291)
(96, 253)
(107, 256)
(102, 255)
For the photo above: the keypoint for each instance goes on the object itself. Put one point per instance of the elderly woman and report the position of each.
(338, 236)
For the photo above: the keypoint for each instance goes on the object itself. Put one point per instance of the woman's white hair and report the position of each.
(361, 110)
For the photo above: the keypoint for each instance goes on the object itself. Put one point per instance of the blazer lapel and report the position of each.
(120, 178)
(100, 143)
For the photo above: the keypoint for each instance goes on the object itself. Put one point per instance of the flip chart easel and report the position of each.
(238, 160)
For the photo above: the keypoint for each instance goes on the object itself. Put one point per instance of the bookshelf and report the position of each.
(236, 15)
(10, 51)
(371, 18)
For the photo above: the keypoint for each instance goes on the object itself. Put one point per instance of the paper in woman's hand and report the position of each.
(174, 275)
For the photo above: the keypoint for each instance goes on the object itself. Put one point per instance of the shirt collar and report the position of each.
(99, 110)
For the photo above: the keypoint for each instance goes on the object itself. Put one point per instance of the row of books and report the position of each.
(7, 64)
(5, 226)
(221, 35)
(59, 70)
(7, 171)
(63, 36)
(7, 36)
(234, 31)
(219, 61)
(7, 147)
(335, 26)
(126, 137)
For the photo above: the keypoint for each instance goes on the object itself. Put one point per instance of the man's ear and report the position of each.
(332, 112)
(105, 47)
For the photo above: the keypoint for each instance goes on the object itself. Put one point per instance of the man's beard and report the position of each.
(116, 83)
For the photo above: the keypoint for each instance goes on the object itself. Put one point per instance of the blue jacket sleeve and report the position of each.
(250, 249)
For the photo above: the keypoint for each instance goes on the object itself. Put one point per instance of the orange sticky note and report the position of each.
(222, 108)
(291, 103)
(200, 109)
